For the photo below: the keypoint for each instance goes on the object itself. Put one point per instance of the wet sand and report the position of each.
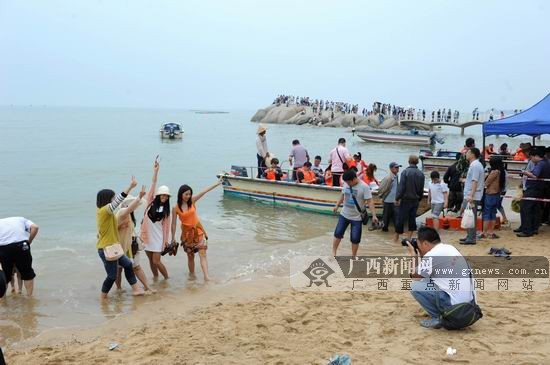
(264, 321)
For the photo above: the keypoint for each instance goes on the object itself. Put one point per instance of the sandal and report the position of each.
(493, 236)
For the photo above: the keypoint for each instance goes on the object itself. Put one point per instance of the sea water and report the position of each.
(54, 160)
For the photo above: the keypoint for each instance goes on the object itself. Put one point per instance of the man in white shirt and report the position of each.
(261, 147)
(338, 159)
(16, 236)
(434, 287)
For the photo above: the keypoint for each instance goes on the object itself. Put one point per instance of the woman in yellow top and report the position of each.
(107, 235)
(193, 235)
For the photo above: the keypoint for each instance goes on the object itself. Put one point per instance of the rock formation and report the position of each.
(297, 114)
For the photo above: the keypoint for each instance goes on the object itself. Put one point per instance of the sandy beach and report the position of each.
(267, 322)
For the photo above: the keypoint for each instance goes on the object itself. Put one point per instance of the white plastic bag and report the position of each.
(468, 218)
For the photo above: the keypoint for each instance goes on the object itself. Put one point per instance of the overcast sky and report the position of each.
(240, 54)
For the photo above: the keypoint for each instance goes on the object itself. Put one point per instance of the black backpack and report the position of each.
(460, 315)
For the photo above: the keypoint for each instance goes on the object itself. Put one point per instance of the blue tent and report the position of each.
(532, 122)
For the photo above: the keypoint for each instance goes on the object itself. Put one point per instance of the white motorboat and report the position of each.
(171, 131)
(410, 137)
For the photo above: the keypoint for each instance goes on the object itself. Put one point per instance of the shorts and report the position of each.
(437, 208)
(490, 206)
(356, 229)
(13, 255)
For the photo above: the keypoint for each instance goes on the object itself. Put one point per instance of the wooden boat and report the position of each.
(410, 137)
(308, 197)
(443, 159)
(171, 131)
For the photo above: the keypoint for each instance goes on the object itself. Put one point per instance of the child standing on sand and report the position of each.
(438, 197)
(193, 235)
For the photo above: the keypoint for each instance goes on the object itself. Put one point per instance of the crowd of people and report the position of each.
(302, 170)
(401, 194)
(465, 184)
(442, 115)
(317, 105)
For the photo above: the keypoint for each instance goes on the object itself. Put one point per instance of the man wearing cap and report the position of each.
(387, 192)
(16, 236)
(261, 146)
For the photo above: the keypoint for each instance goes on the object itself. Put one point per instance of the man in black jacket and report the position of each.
(452, 179)
(530, 209)
(410, 191)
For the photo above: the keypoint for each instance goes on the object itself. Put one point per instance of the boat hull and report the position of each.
(164, 135)
(395, 138)
(307, 197)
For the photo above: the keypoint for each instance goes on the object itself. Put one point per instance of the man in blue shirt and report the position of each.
(473, 191)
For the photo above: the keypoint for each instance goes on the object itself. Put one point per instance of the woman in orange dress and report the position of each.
(193, 236)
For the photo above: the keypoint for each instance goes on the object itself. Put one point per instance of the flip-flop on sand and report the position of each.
(500, 252)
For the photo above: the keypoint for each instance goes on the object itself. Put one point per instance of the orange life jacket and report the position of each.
(520, 155)
(270, 174)
(328, 178)
(309, 176)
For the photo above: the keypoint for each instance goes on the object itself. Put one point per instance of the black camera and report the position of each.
(412, 242)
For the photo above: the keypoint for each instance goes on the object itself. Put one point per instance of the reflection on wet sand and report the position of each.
(274, 224)
(22, 321)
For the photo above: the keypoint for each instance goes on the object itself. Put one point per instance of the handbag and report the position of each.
(460, 315)
(135, 245)
(113, 252)
(468, 219)
(364, 213)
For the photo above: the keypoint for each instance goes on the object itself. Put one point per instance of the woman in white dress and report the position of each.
(155, 227)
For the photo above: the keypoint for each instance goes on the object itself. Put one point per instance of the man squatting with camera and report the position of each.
(437, 293)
